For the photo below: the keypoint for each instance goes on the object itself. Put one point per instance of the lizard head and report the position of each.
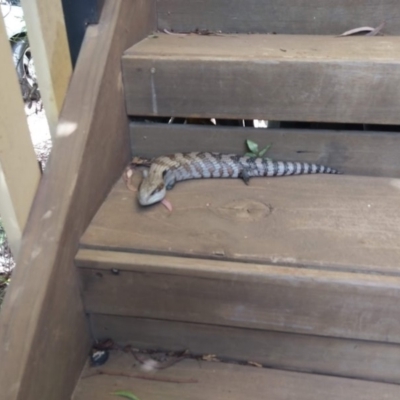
(152, 189)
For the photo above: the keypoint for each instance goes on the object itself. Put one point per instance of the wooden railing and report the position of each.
(44, 332)
(19, 169)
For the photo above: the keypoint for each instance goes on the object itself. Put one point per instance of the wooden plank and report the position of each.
(42, 322)
(338, 222)
(49, 44)
(306, 353)
(287, 299)
(273, 77)
(224, 382)
(313, 17)
(19, 169)
(352, 152)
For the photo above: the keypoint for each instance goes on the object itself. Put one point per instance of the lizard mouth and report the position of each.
(149, 200)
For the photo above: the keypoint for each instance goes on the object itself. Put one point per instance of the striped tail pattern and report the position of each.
(165, 171)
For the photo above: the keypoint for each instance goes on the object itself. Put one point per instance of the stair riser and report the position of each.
(351, 152)
(320, 17)
(274, 78)
(318, 302)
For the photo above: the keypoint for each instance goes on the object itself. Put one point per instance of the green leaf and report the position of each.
(264, 150)
(125, 395)
(252, 146)
(250, 155)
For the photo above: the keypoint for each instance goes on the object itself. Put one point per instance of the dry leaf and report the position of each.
(149, 365)
(127, 179)
(209, 357)
(141, 161)
(254, 364)
(364, 29)
(173, 33)
(354, 31)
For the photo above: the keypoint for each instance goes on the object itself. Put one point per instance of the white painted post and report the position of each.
(49, 44)
(19, 168)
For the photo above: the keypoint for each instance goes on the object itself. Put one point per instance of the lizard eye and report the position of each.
(157, 189)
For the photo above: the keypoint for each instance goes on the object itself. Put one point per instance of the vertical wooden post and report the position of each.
(48, 40)
(44, 337)
(19, 169)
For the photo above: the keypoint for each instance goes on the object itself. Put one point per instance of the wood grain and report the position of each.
(341, 222)
(272, 77)
(352, 152)
(226, 382)
(311, 17)
(19, 169)
(43, 330)
(307, 353)
(286, 299)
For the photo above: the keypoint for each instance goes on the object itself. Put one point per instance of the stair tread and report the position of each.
(273, 77)
(338, 222)
(213, 380)
(297, 352)
(211, 261)
(266, 47)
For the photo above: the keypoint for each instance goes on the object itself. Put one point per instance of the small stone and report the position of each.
(99, 357)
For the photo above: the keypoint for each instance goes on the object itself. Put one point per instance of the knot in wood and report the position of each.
(244, 210)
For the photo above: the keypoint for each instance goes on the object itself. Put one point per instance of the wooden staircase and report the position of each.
(298, 273)
(293, 283)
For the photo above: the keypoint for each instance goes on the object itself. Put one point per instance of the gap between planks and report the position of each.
(281, 350)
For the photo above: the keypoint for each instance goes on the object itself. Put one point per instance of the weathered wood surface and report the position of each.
(19, 169)
(352, 152)
(314, 17)
(272, 77)
(308, 353)
(286, 299)
(43, 330)
(49, 45)
(223, 382)
(328, 221)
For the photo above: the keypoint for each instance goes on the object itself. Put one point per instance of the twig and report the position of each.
(171, 362)
(376, 30)
(136, 357)
(201, 32)
(137, 376)
(173, 33)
